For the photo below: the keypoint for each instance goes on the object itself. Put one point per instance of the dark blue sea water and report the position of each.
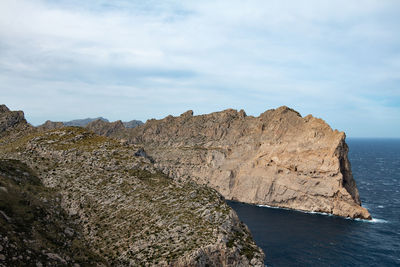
(291, 238)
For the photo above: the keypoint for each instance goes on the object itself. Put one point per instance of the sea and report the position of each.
(293, 238)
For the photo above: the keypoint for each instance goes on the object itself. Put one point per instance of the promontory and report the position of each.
(279, 158)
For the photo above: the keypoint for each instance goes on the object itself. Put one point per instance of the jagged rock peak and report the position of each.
(285, 109)
(106, 128)
(50, 125)
(4, 108)
(100, 122)
(188, 113)
(132, 123)
(282, 111)
(10, 120)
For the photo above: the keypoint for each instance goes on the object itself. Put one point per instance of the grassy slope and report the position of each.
(33, 226)
(129, 212)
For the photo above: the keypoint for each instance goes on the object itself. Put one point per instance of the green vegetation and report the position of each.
(32, 223)
(129, 211)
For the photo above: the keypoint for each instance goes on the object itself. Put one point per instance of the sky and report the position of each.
(337, 60)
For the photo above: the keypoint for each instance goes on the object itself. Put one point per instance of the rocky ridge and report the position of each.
(115, 129)
(132, 123)
(129, 212)
(83, 122)
(278, 159)
(49, 125)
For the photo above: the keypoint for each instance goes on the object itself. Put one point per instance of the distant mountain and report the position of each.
(49, 125)
(83, 122)
(132, 123)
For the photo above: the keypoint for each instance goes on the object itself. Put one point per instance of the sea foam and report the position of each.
(374, 220)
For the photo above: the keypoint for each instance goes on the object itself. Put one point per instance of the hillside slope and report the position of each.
(128, 211)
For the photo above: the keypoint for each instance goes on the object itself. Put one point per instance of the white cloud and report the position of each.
(168, 56)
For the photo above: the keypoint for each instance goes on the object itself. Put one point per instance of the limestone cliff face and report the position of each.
(278, 159)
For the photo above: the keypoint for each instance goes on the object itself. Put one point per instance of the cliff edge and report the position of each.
(278, 159)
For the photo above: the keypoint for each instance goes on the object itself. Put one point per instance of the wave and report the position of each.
(303, 211)
(374, 220)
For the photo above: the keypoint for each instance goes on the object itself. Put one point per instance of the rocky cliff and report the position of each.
(119, 204)
(12, 123)
(279, 159)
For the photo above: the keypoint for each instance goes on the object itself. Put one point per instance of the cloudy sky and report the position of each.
(338, 60)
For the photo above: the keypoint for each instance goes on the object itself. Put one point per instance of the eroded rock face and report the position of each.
(10, 119)
(278, 159)
(12, 125)
(106, 128)
(132, 123)
(51, 125)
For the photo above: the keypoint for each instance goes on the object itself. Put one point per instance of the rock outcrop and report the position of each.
(51, 125)
(13, 125)
(278, 159)
(124, 208)
(114, 129)
(11, 120)
(132, 123)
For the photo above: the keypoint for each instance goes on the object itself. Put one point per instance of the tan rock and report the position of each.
(11, 120)
(106, 128)
(50, 125)
(278, 159)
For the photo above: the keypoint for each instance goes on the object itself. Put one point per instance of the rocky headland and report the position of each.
(279, 159)
(68, 189)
